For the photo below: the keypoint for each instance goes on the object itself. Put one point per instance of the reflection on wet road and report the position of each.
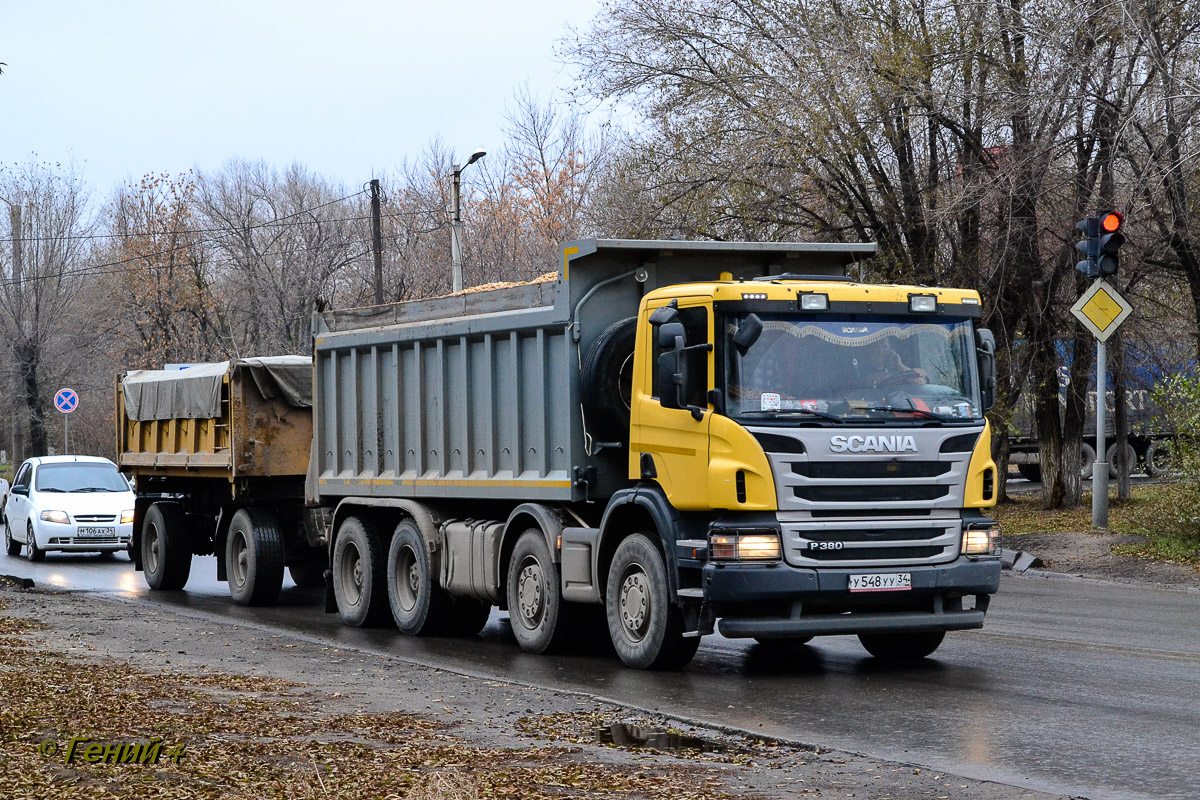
(1077, 687)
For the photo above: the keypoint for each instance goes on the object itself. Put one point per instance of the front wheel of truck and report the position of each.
(360, 573)
(645, 627)
(901, 647)
(254, 557)
(166, 555)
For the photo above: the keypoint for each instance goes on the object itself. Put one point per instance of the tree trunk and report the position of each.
(28, 361)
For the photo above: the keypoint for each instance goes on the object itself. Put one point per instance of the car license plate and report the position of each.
(97, 532)
(881, 582)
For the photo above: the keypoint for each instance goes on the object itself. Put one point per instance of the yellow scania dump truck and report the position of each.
(695, 436)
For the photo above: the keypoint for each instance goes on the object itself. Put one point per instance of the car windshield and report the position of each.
(79, 476)
(853, 369)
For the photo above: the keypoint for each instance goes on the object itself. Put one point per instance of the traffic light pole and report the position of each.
(1100, 466)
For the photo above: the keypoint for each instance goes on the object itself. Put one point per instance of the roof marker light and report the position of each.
(812, 301)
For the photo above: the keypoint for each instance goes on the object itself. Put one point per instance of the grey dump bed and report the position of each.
(477, 395)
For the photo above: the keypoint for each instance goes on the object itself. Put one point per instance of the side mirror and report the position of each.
(747, 333)
(672, 365)
(985, 349)
(21, 490)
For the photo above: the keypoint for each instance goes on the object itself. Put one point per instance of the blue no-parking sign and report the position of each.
(66, 400)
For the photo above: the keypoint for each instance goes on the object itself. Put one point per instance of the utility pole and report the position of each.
(18, 256)
(377, 241)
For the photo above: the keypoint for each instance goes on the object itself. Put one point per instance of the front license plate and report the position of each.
(97, 532)
(881, 582)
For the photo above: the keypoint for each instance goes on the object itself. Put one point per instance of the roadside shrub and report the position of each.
(1179, 398)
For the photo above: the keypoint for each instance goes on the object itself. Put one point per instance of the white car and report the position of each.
(68, 503)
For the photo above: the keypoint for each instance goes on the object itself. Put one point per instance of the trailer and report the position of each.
(679, 435)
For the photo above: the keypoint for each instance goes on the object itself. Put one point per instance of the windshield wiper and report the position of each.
(809, 411)
(918, 411)
(96, 489)
(53, 489)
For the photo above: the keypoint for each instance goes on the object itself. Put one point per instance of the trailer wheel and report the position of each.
(360, 573)
(166, 556)
(1087, 456)
(419, 605)
(901, 647)
(307, 576)
(1158, 459)
(254, 557)
(1114, 471)
(535, 605)
(469, 616)
(645, 627)
(607, 381)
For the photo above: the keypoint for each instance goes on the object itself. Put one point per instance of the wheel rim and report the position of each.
(634, 604)
(153, 547)
(350, 572)
(531, 593)
(239, 566)
(407, 580)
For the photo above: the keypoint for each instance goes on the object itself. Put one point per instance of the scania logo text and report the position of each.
(873, 444)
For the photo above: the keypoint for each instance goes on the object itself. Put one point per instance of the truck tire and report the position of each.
(606, 387)
(1130, 460)
(419, 605)
(1030, 472)
(11, 545)
(1157, 461)
(535, 605)
(254, 557)
(166, 553)
(1087, 457)
(900, 647)
(469, 616)
(360, 573)
(307, 576)
(645, 627)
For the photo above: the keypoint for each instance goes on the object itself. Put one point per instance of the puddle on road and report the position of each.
(623, 735)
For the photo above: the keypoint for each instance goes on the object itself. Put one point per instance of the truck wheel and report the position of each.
(307, 576)
(607, 381)
(646, 628)
(1114, 471)
(360, 573)
(254, 557)
(419, 605)
(1157, 460)
(35, 553)
(1087, 457)
(535, 606)
(900, 647)
(11, 545)
(1030, 472)
(166, 555)
(469, 616)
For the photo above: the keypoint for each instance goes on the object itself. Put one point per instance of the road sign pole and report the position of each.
(1100, 466)
(66, 439)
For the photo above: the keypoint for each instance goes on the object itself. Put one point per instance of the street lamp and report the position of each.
(456, 222)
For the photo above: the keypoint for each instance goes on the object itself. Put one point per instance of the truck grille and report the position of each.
(857, 542)
(896, 554)
(870, 493)
(868, 470)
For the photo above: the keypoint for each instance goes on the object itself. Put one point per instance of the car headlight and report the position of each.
(127, 516)
(749, 546)
(56, 516)
(981, 541)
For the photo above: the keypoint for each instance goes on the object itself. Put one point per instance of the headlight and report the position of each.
(922, 303)
(981, 541)
(127, 516)
(744, 547)
(56, 516)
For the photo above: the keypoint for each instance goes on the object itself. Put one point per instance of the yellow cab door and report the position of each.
(674, 438)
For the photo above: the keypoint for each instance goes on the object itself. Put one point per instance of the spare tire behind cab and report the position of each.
(607, 382)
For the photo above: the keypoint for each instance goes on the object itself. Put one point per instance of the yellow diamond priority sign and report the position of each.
(1102, 310)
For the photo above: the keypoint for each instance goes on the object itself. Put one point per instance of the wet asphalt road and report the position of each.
(1077, 687)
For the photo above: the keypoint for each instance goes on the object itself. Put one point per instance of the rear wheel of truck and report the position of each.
(607, 381)
(646, 628)
(166, 553)
(535, 606)
(1087, 457)
(419, 605)
(899, 647)
(360, 573)
(1158, 459)
(307, 576)
(1114, 469)
(254, 557)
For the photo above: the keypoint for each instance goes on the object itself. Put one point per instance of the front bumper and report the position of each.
(66, 538)
(932, 604)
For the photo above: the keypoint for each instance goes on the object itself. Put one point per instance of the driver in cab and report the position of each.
(880, 365)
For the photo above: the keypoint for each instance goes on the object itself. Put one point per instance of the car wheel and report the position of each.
(254, 557)
(645, 626)
(419, 605)
(901, 647)
(535, 606)
(166, 552)
(35, 553)
(10, 544)
(360, 573)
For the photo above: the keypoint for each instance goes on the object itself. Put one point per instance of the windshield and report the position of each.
(853, 369)
(79, 477)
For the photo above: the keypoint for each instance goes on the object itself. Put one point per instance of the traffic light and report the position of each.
(1090, 246)
(1111, 240)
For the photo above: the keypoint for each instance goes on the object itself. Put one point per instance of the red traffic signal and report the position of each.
(1112, 222)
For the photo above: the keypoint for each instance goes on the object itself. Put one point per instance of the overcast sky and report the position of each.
(348, 87)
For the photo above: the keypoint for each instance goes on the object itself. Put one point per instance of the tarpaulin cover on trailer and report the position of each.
(195, 392)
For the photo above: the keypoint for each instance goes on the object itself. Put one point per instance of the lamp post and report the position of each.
(456, 222)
